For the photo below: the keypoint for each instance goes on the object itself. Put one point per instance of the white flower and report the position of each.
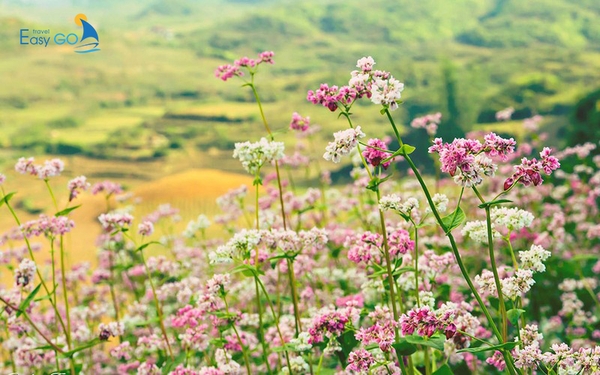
(345, 141)
(533, 259)
(298, 366)
(440, 201)
(254, 155)
(365, 64)
(511, 218)
(301, 343)
(386, 91)
(515, 286)
(389, 202)
(477, 231)
(193, 227)
(25, 273)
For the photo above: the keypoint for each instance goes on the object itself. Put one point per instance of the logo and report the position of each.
(90, 35)
(86, 43)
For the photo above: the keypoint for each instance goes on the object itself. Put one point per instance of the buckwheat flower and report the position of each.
(114, 329)
(373, 154)
(299, 123)
(50, 226)
(301, 343)
(513, 219)
(381, 333)
(146, 228)
(386, 92)
(201, 223)
(528, 357)
(497, 360)
(328, 323)
(217, 284)
(400, 243)
(360, 361)
(440, 202)
(495, 145)
(477, 231)
(530, 335)
(532, 124)
(51, 168)
(25, 273)
(227, 71)
(108, 187)
(326, 96)
(298, 366)
(421, 320)
(122, 351)
(267, 57)
(534, 258)
(529, 171)
(505, 114)
(518, 284)
(113, 221)
(365, 64)
(428, 122)
(222, 255)
(390, 202)
(148, 368)
(345, 141)
(2, 178)
(255, 155)
(26, 166)
(77, 185)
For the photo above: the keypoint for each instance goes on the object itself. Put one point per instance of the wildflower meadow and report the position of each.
(486, 264)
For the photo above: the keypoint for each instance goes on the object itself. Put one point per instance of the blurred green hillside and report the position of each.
(151, 93)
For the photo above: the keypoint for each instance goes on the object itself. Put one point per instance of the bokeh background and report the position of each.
(148, 112)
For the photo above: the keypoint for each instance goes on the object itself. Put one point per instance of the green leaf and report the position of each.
(407, 149)
(46, 296)
(404, 348)
(444, 370)
(66, 211)
(454, 219)
(435, 341)
(382, 110)
(494, 203)
(43, 347)
(347, 342)
(143, 246)
(246, 270)
(481, 349)
(514, 315)
(85, 346)
(400, 271)
(27, 301)
(6, 198)
(78, 368)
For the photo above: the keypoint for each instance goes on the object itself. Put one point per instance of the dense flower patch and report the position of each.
(490, 269)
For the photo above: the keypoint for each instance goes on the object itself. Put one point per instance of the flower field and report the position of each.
(488, 265)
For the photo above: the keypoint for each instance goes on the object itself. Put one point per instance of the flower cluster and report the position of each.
(529, 171)
(299, 123)
(50, 168)
(255, 155)
(228, 71)
(469, 160)
(428, 122)
(345, 141)
(375, 155)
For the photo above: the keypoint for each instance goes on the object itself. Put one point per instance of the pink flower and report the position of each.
(360, 361)
(112, 221)
(505, 114)
(528, 172)
(299, 123)
(428, 122)
(107, 187)
(146, 228)
(373, 154)
(400, 242)
(331, 324)
(77, 185)
(381, 333)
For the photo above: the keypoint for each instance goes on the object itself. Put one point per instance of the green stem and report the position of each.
(416, 262)
(158, 307)
(502, 306)
(244, 353)
(64, 287)
(37, 269)
(276, 319)
(292, 278)
(260, 332)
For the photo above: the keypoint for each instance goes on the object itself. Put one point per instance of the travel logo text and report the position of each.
(86, 43)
